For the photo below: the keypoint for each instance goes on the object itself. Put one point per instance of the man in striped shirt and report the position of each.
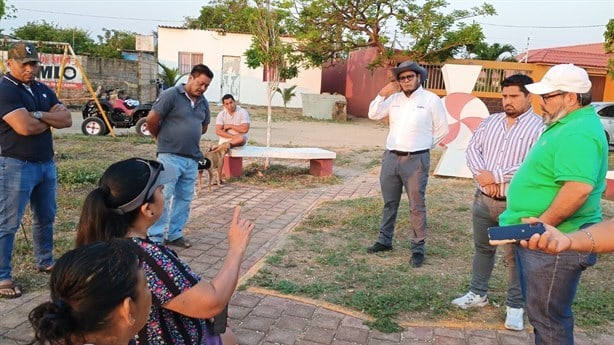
(494, 154)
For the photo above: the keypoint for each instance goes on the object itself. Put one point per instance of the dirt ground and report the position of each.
(355, 133)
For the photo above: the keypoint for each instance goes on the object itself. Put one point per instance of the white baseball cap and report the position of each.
(566, 77)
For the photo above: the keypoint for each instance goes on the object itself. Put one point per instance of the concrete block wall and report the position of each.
(136, 78)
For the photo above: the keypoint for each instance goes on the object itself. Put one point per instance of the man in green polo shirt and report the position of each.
(560, 182)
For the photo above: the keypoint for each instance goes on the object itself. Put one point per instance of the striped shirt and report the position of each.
(501, 150)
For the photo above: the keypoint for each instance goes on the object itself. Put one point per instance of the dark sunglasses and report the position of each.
(407, 77)
(547, 97)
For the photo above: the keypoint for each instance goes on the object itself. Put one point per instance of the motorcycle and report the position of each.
(122, 112)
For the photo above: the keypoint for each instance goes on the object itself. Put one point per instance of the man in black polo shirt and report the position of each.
(28, 110)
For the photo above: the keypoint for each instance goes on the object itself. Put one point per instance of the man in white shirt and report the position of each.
(232, 123)
(418, 121)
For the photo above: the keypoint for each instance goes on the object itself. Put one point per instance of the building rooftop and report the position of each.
(586, 55)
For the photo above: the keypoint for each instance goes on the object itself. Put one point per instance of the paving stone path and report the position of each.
(259, 317)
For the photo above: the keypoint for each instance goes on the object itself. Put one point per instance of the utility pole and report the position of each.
(525, 58)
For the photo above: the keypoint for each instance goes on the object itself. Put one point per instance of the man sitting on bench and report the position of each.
(232, 123)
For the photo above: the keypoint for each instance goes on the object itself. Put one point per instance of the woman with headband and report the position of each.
(127, 202)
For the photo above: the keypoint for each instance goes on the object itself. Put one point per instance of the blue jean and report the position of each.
(549, 284)
(178, 196)
(411, 172)
(22, 182)
(486, 213)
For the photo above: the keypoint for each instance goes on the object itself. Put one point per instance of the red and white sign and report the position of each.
(50, 67)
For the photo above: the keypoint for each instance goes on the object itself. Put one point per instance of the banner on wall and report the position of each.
(49, 72)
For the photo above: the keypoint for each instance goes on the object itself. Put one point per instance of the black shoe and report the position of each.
(180, 242)
(417, 259)
(378, 247)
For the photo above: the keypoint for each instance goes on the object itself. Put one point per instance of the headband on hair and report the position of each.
(158, 175)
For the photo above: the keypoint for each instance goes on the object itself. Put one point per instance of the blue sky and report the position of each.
(540, 24)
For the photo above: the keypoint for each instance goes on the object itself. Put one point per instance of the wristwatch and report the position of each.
(37, 115)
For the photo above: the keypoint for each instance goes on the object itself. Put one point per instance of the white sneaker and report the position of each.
(514, 319)
(470, 300)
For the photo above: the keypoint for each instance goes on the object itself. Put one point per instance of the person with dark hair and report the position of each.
(178, 118)
(28, 111)
(128, 200)
(494, 154)
(232, 123)
(560, 183)
(418, 121)
(99, 295)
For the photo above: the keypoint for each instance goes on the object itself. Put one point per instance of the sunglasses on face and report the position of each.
(547, 97)
(407, 78)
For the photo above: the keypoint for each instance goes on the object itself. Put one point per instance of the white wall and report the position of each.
(213, 46)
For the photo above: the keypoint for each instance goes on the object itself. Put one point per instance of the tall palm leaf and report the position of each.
(169, 76)
(494, 52)
(286, 94)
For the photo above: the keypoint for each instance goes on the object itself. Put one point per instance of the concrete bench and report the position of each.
(320, 160)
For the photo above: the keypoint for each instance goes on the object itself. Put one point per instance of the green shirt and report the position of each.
(572, 149)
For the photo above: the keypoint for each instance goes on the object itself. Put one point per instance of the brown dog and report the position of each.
(217, 163)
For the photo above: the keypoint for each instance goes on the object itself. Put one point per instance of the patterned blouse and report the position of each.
(168, 276)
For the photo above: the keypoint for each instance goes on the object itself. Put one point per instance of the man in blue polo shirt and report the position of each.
(28, 110)
(179, 117)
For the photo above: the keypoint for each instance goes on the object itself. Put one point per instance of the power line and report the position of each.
(104, 17)
(544, 27)
(179, 21)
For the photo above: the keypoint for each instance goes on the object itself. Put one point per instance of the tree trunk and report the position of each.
(270, 90)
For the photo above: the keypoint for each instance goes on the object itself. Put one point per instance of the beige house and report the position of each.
(224, 53)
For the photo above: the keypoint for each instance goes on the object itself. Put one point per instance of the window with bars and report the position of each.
(187, 60)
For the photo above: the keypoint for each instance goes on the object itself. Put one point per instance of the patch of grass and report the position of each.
(593, 306)
(325, 258)
(364, 158)
(276, 258)
(81, 160)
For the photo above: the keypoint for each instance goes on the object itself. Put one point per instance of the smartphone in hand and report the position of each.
(219, 321)
(498, 235)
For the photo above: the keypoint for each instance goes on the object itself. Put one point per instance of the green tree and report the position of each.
(50, 32)
(109, 43)
(493, 52)
(270, 52)
(112, 41)
(608, 35)
(437, 33)
(6, 11)
(225, 15)
(286, 95)
(169, 76)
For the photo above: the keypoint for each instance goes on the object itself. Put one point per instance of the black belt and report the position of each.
(503, 198)
(403, 153)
